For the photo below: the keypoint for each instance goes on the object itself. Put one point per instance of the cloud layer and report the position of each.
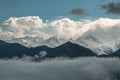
(58, 69)
(20, 27)
(63, 28)
(33, 31)
(112, 8)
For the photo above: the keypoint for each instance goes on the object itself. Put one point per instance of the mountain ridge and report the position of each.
(68, 49)
(96, 44)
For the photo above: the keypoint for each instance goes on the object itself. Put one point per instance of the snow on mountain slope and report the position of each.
(28, 41)
(53, 42)
(97, 45)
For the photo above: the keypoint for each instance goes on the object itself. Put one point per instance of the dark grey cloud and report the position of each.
(78, 11)
(112, 8)
(90, 68)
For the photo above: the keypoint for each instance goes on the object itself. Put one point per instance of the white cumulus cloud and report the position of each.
(34, 31)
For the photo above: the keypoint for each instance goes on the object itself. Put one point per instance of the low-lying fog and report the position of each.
(88, 68)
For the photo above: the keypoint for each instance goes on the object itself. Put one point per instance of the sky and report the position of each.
(52, 9)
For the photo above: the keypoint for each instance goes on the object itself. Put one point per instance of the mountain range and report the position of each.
(68, 49)
(98, 45)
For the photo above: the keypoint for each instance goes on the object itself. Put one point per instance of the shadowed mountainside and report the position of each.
(9, 50)
(68, 49)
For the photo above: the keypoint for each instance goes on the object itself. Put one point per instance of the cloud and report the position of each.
(33, 31)
(64, 28)
(91, 68)
(21, 27)
(112, 8)
(78, 11)
(25, 23)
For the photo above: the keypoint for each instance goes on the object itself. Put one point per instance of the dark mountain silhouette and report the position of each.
(36, 50)
(70, 50)
(115, 54)
(9, 50)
